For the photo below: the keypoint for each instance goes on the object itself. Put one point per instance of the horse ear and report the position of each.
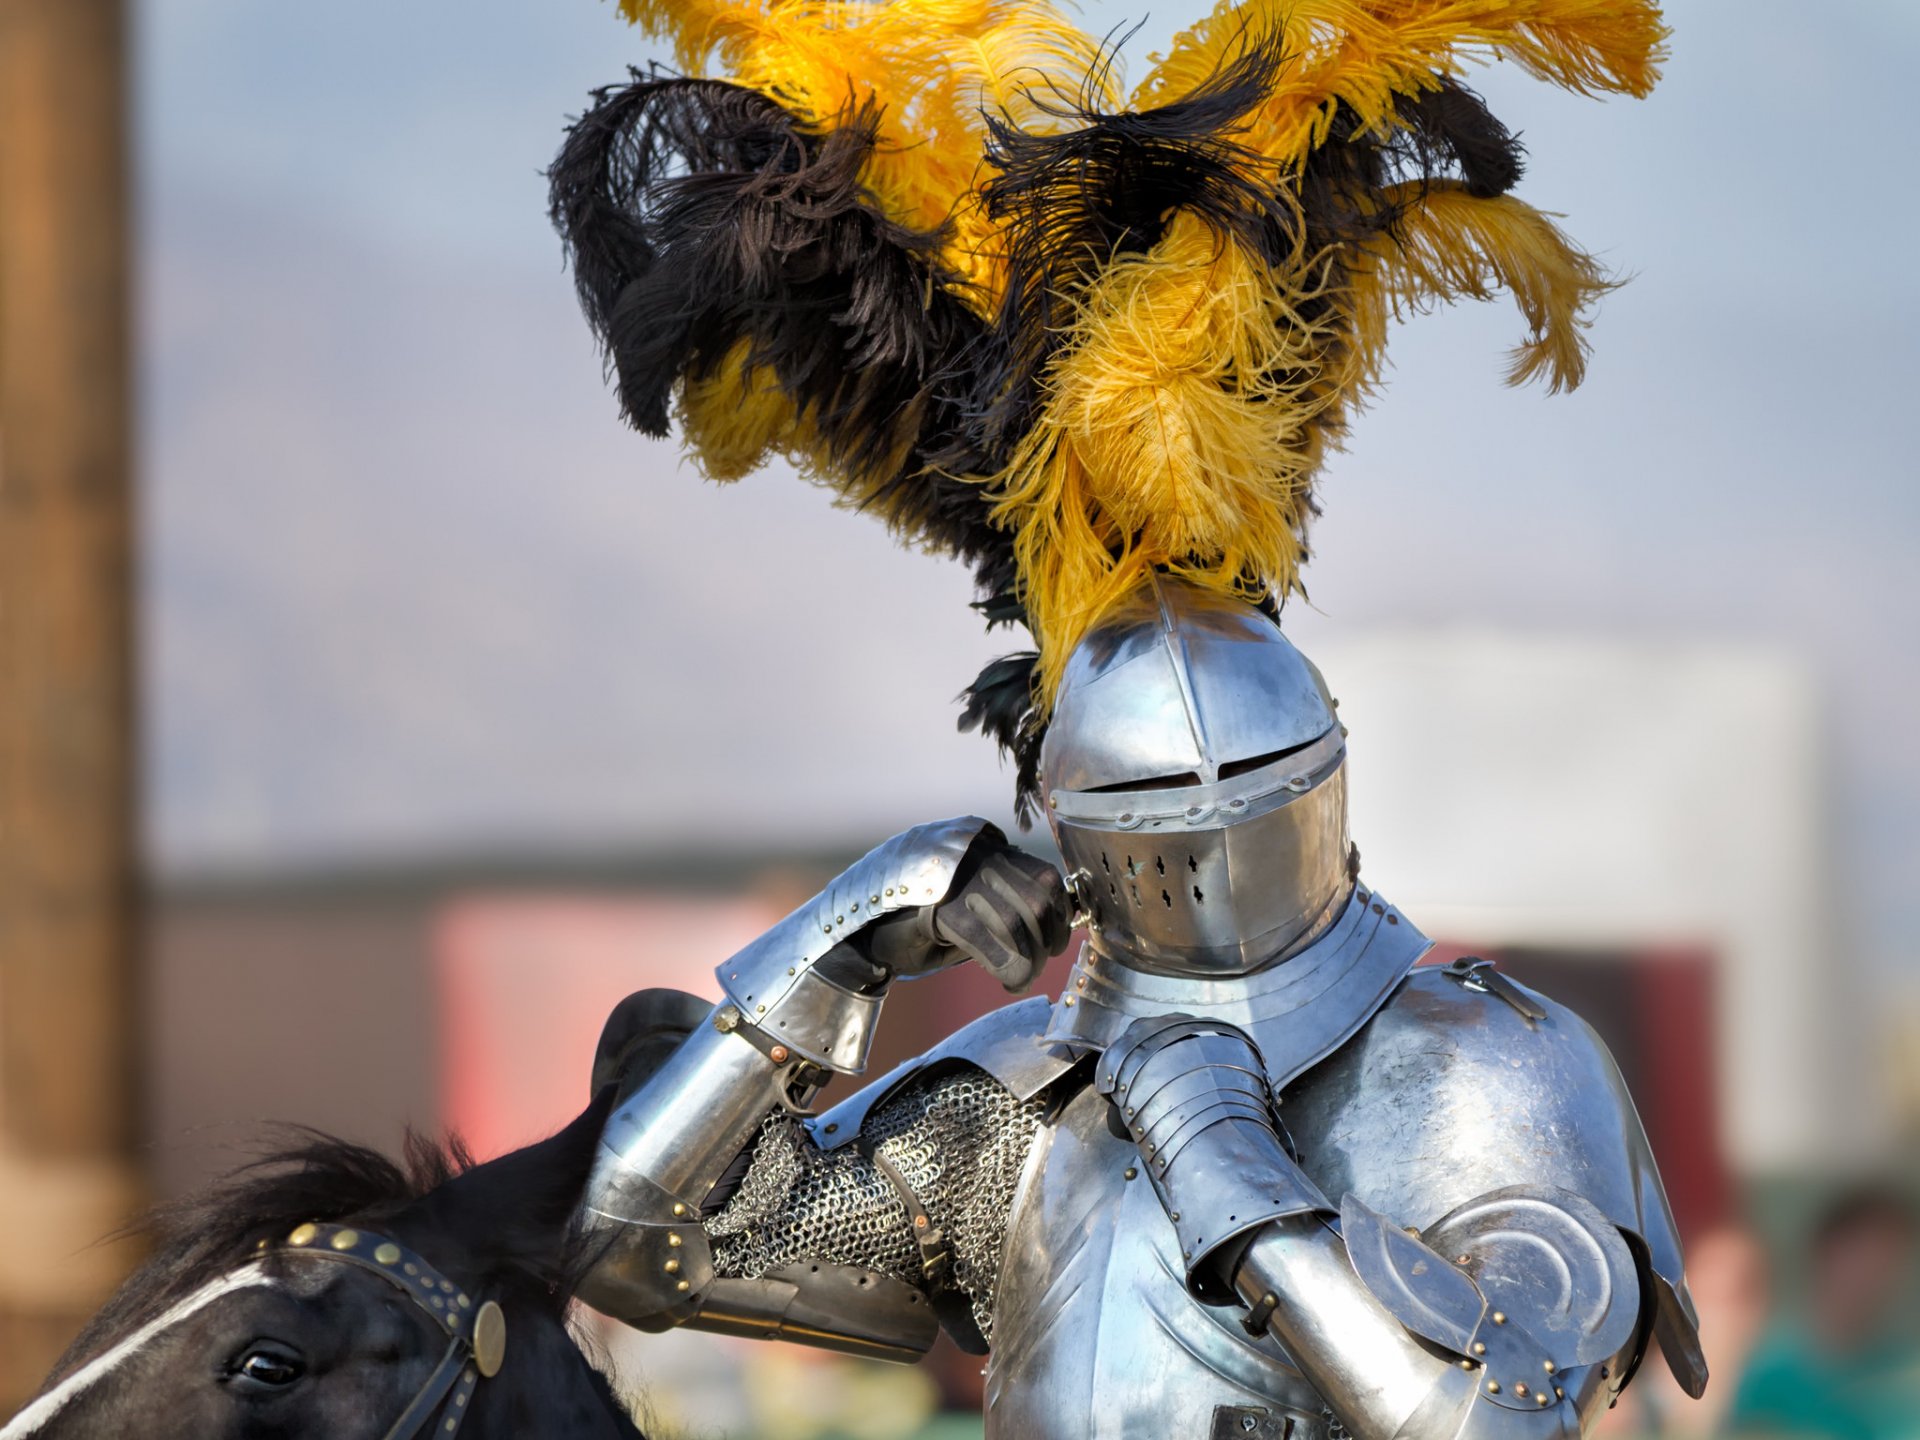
(516, 1213)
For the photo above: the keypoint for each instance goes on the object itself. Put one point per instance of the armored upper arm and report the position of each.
(866, 1228)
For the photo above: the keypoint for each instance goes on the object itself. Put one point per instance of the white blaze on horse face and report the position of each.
(30, 1420)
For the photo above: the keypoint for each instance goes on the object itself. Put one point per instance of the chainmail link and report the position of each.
(958, 1139)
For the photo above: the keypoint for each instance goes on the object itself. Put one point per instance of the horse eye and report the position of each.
(269, 1367)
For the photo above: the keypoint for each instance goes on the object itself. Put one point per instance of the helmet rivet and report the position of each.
(1126, 817)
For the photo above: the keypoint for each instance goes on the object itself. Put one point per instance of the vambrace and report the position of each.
(786, 1023)
(1515, 1315)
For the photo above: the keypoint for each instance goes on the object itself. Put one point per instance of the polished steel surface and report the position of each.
(1178, 680)
(1195, 780)
(772, 980)
(1096, 1337)
(1451, 1095)
(1296, 1012)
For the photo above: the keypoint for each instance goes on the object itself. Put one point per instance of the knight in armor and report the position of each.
(1256, 1171)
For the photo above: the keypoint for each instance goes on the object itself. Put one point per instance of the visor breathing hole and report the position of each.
(1166, 899)
(1197, 896)
(1159, 864)
(1103, 863)
(1193, 865)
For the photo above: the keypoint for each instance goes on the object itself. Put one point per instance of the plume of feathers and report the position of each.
(923, 251)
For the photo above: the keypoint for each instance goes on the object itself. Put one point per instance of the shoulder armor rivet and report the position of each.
(889, 889)
(1542, 1398)
(1129, 1173)
(1413, 1230)
(839, 919)
(1463, 1259)
(1559, 1393)
(683, 1287)
(1069, 1002)
(1520, 1389)
(778, 1054)
(1549, 1366)
(1493, 1387)
(791, 970)
(674, 1242)
(1466, 1365)
(1499, 1317)
(1176, 1217)
(824, 930)
(1479, 1347)
(672, 1267)
(1393, 919)
(679, 1208)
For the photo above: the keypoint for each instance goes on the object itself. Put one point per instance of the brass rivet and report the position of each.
(304, 1235)
(839, 919)
(1176, 1217)
(919, 1222)
(889, 889)
(873, 899)
(1479, 1347)
(1549, 1366)
(388, 1254)
(678, 1208)
(1466, 1365)
(345, 1239)
(826, 929)
(1541, 1398)
(1521, 1389)
(792, 971)
(1559, 1392)
(1130, 1173)
(1463, 1259)
(778, 1054)
(1499, 1317)
(683, 1287)
(1069, 1002)
(674, 1242)
(1493, 1387)
(672, 1267)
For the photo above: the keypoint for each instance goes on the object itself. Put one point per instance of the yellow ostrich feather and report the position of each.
(1361, 52)
(1176, 433)
(1450, 245)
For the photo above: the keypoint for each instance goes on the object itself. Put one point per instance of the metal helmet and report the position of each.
(1195, 779)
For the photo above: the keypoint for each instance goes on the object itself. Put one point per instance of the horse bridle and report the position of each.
(476, 1329)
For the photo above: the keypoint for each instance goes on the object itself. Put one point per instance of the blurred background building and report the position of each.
(463, 711)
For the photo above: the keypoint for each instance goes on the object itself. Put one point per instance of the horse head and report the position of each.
(326, 1291)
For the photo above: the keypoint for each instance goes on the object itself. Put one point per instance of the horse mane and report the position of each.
(192, 1241)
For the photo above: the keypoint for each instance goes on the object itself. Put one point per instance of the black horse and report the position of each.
(329, 1292)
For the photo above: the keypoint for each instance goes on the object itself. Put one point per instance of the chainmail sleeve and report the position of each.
(959, 1140)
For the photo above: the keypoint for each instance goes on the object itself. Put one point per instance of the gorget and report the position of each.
(1297, 1011)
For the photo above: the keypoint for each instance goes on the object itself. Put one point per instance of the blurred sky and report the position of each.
(414, 591)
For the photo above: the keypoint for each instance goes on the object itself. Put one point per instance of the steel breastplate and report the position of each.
(1095, 1337)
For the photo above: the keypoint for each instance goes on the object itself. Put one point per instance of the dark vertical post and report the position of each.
(67, 868)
